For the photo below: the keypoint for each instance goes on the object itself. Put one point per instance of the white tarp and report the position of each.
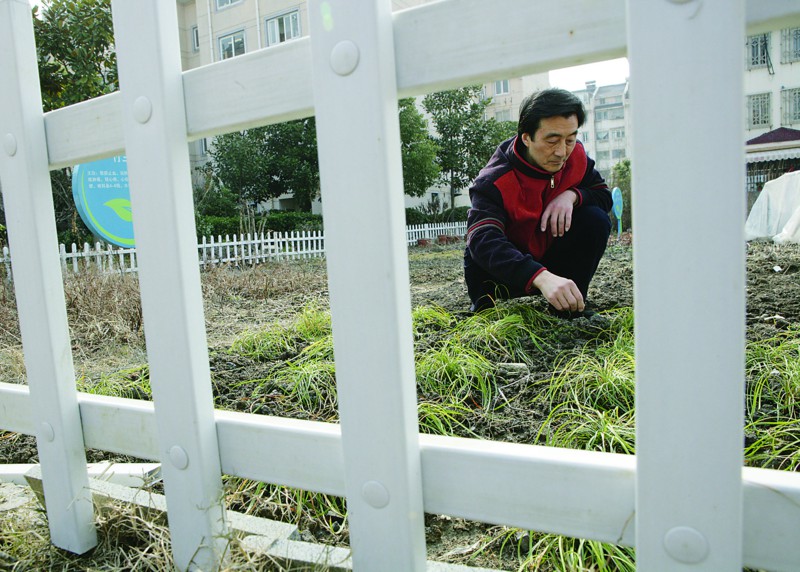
(776, 212)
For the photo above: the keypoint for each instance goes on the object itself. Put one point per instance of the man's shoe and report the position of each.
(484, 303)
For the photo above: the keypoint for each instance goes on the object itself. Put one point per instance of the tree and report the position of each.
(239, 164)
(266, 162)
(75, 50)
(621, 177)
(465, 138)
(291, 151)
(420, 169)
(76, 59)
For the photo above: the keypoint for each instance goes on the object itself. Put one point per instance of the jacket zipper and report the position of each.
(552, 181)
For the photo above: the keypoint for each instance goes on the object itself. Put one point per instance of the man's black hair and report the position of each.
(552, 102)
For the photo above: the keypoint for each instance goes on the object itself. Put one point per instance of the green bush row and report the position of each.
(277, 221)
(289, 221)
(417, 216)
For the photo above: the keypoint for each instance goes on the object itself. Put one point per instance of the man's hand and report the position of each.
(562, 293)
(559, 213)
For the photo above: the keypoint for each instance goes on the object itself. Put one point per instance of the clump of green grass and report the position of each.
(426, 318)
(604, 379)
(571, 427)
(565, 554)
(133, 383)
(505, 334)
(773, 373)
(310, 378)
(773, 444)
(278, 341)
(438, 418)
(458, 372)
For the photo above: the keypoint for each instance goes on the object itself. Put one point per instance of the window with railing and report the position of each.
(618, 133)
(283, 28)
(758, 110)
(790, 45)
(231, 45)
(790, 106)
(757, 51)
(612, 113)
(225, 3)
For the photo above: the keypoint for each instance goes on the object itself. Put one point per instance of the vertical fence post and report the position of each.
(356, 109)
(687, 106)
(38, 286)
(154, 121)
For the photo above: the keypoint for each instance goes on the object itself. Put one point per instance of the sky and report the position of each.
(604, 73)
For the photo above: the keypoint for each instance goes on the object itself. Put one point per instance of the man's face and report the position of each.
(552, 143)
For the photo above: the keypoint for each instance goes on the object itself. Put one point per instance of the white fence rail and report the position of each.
(683, 501)
(248, 249)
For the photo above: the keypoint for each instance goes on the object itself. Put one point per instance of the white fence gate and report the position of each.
(684, 500)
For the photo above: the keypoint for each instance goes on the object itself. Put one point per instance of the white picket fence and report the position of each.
(684, 501)
(248, 249)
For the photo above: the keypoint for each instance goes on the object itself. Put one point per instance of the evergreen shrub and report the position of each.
(289, 221)
(416, 216)
(212, 225)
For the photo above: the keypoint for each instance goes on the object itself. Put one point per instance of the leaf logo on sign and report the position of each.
(122, 207)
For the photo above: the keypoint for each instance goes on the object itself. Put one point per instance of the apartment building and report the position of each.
(772, 100)
(606, 131)
(215, 30)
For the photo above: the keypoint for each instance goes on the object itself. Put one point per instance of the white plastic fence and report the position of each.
(684, 500)
(246, 249)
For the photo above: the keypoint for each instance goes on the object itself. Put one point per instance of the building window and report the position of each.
(618, 133)
(790, 45)
(790, 106)
(602, 155)
(501, 87)
(613, 113)
(204, 146)
(503, 115)
(195, 39)
(231, 45)
(225, 3)
(757, 51)
(283, 28)
(618, 154)
(602, 135)
(758, 110)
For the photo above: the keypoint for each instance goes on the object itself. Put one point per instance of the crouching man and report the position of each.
(539, 218)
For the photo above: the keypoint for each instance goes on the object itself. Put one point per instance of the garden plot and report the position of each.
(514, 374)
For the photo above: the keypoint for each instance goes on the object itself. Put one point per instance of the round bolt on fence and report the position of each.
(686, 545)
(178, 457)
(10, 144)
(47, 432)
(375, 494)
(142, 109)
(344, 57)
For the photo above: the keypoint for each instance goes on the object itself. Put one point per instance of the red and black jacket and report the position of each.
(508, 199)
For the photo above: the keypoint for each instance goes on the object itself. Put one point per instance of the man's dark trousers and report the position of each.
(574, 255)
